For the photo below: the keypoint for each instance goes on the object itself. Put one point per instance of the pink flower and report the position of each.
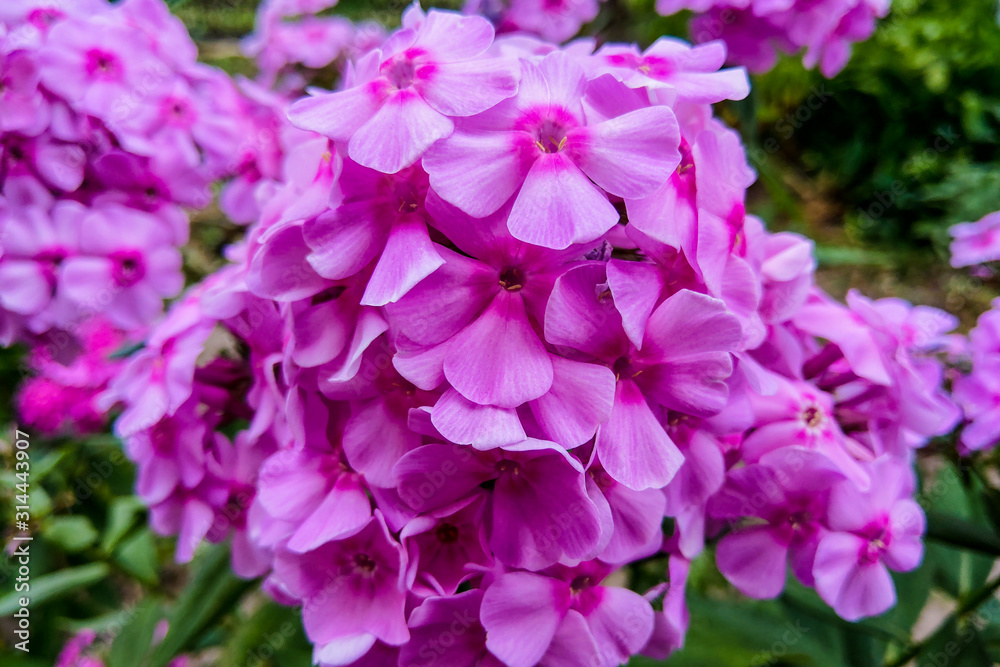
(976, 242)
(790, 492)
(566, 613)
(353, 591)
(540, 511)
(126, 260)
(978, 393)
(555, 159)
(870, 533)
(672, 64)
(380, 216)
(405, 95)
(682, 365)
(553, 20)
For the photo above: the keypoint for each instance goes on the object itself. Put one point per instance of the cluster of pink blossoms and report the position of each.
(977, 245)
(68, 373)
(553, 20)
(503, 316)
(291, 43)
(755, 31)
(108, 127)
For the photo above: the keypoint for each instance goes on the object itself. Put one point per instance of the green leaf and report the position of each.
(47, 464)
(70, 533)
(272, 632)
(39, 502)
(211, 593)
(954, 645)
(738, 632)
(122, 515)
(137, 556)
(51, 586)
(136, 635)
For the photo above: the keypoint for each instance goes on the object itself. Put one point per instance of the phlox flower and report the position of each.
(553, 20)
(871, 532)
(380, 216)
(126, 260)
(437, 616)
(978, 393)
(682, 364)
(976, 242)
(538, 511)
(542, 149)
(404, 95)
(691, 72)
(790, 491)
(353, 591)
(564, 616)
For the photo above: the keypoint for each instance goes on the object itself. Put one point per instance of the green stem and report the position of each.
(965, 608)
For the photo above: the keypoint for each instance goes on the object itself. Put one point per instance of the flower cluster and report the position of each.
(292, 45)
(755, 31)
(68, 373)
(503, 316)
(552, 20)
(108, 126)
(201, 414)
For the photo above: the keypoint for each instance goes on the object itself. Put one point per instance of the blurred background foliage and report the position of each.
(874, 165)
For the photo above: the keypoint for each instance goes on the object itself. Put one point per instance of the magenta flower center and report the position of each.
(44, 17)
(128, 267)
(400, 71)
(799, 520)
(178, 112)
(874, 549)
(812, 416)
(49, 260)
(580, 583)
(16, 152)
(624, 368)
(364, 565)
(447, 533)
(506, 466)
(408, 195)
(657, 68)
(512, 279)
(550, 137)
(103, 64)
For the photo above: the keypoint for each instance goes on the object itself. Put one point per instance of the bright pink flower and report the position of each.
(353, 591)
(682, 365)
(553, 20)
(542, 148)
(485, 311)
(126, 265)
(870, 533)
(790, 492)
(976, 242)
(381, 217)
(315, 495)
(672, 64)
(566, 612)
(456, 614)
(539, 510)
(978, 393)
(405, 95)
